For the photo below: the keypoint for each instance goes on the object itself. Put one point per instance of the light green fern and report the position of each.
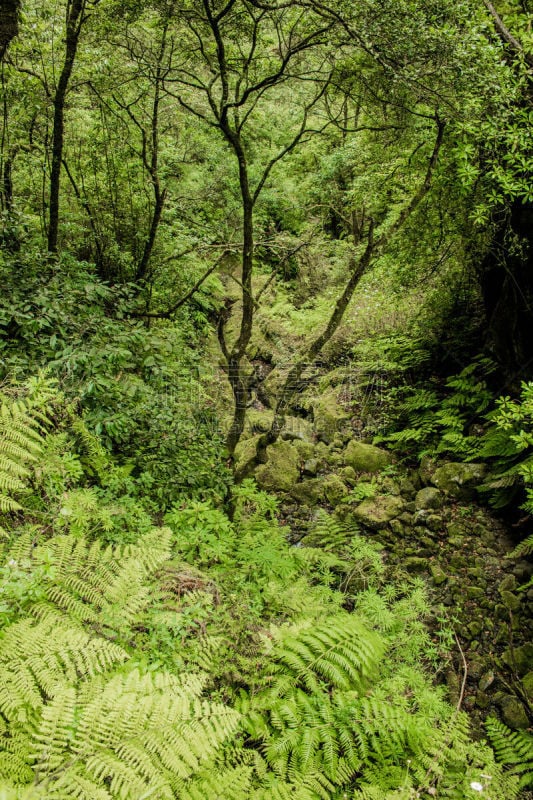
(514, 749)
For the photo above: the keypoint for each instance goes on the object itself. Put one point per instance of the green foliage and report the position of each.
(508, 442)
(102, 645)
(514, 749)
(439, 422)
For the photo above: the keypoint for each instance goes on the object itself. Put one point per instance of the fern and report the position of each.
(20, 444)
(514, 749)
(340, 652)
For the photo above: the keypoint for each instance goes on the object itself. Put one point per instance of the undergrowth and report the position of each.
(205, 658)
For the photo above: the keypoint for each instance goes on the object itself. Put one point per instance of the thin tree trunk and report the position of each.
(74, 23)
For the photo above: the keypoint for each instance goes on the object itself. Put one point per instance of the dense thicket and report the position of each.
(202, 204)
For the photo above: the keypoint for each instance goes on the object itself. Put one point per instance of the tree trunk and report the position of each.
(9, 24)
(74, 23)
(506, 282)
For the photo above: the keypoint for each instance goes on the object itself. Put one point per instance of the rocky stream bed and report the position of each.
(429, 523)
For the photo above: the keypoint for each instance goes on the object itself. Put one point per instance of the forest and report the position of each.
(266, 399)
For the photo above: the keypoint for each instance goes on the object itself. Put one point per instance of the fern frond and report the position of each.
(514, 749)
(340, 652)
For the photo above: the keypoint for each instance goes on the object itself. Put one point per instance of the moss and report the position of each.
(282, 469)
(329, 415)
(365, 457)
(334, 489)
(377, 512)
(309, 493)
(458, 479)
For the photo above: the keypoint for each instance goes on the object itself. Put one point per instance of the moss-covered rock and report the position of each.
(258, 421)
(298, 428)
(519, 659)
(427, 468)
(513, 713)
(438, 575)
(245, 451)
(348, 475)
(377, 512)
(429, 498)
(309, 493)
(458, 479)
(329, 416)
(334, 489)
(365, 457)
(282, 468)
(527, 683)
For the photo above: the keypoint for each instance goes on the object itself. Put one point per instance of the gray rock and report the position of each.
(311, 466)
(377, 512)
(459, 479)
(429, 498)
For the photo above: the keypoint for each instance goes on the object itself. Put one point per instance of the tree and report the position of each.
(239, 53)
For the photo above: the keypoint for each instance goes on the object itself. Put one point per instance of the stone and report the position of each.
(415, 564)
(311, 466)
(513, 713)
(510, 600)
(282, 468)
(258, 421)
(377, 512)
(328, 415)
(396, 527)
(521, 657)
(427, 467)
(527, 683)
(458, 561)
(365, 457)
(298, 428)
(482, 700)
(306, 450)
(438, 575)
(389, 486)
(434, 523)
(244, 451)
(348, 475)
(407, 488)
(309, 493)
(508, 584)
(486, 680)
(474, 592)
(459, 479)
(429, 498)
(334, 489)
(474, 628)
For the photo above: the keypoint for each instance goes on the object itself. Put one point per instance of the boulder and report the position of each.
(308, 493)
(282, 468)
(458, 479)
(377, 512)
(348, 475)
(366, 457)
(329, 415)
(428, 465)
(298, 428)
(429, 498)
(335, 489)
(513, 713)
